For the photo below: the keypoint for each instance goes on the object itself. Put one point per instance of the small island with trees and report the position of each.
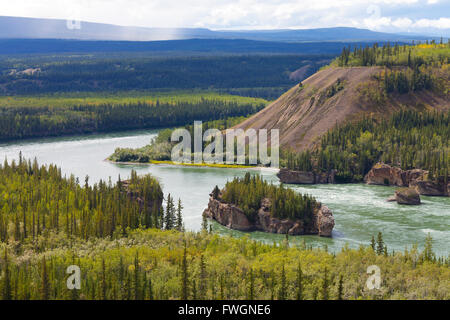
(252, 204)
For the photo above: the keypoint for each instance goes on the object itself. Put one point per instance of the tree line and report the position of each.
(388, 55)
(408, 68)
(29, 122)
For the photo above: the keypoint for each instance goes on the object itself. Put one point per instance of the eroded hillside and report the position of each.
(332, 96)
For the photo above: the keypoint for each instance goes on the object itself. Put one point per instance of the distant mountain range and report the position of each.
(171, 47)
(32, 28)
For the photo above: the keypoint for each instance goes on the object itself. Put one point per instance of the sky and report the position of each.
(430, 17)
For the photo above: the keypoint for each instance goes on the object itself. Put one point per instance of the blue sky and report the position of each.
(405, 16)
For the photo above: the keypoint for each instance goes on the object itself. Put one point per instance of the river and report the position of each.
(360, 211)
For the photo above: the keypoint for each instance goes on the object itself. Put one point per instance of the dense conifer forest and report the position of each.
(408, 68)
(248, 192)
(260, 75)
(153, 265)
(40, 121)
(408, 139)
(35, 200)
(391, 55)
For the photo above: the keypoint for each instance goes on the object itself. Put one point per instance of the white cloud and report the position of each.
(441, 23)
(402, 23)
(382, 15)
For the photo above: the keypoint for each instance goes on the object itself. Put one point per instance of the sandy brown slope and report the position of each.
(303, 114)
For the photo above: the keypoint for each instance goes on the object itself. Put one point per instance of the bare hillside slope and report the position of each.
(332, 96)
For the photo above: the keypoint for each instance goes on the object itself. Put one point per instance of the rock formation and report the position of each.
(380, 174)
(384, 174)
(407, 196)
(233, 217)
(305, 177)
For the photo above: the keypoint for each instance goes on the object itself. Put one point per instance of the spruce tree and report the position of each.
(194, 290)
(340, 288)
(103, 277)
(150, 289)
(204, 223)
(169, 219)
(45, 282)
(203, 278)
(428, 253)
(6, 286)
(179, 220)
(184, 275)
(283, 290)
(380, 244)
(251, 285)
(216, 192)
(299, 282)
(137, 282)
(325, 285)
(372, 243)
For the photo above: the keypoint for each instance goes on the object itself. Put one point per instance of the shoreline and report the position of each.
(199, 165)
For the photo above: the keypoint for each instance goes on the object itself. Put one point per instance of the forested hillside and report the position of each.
(362, 82)
(408, 139)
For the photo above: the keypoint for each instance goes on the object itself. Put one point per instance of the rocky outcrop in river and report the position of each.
(380, 174)
(384, 174)
(408, 196)
(233, 217)
(305, 177)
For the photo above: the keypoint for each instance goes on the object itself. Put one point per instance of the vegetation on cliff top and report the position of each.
(415, 55)
(248, 192)
(408, 68)
(408, 139)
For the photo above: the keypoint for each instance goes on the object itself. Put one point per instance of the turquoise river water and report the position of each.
(360, 211)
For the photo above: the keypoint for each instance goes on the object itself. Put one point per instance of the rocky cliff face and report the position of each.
(228, 215)
(380, 174)
(383, 174)
(305, 177)
(234, 218)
